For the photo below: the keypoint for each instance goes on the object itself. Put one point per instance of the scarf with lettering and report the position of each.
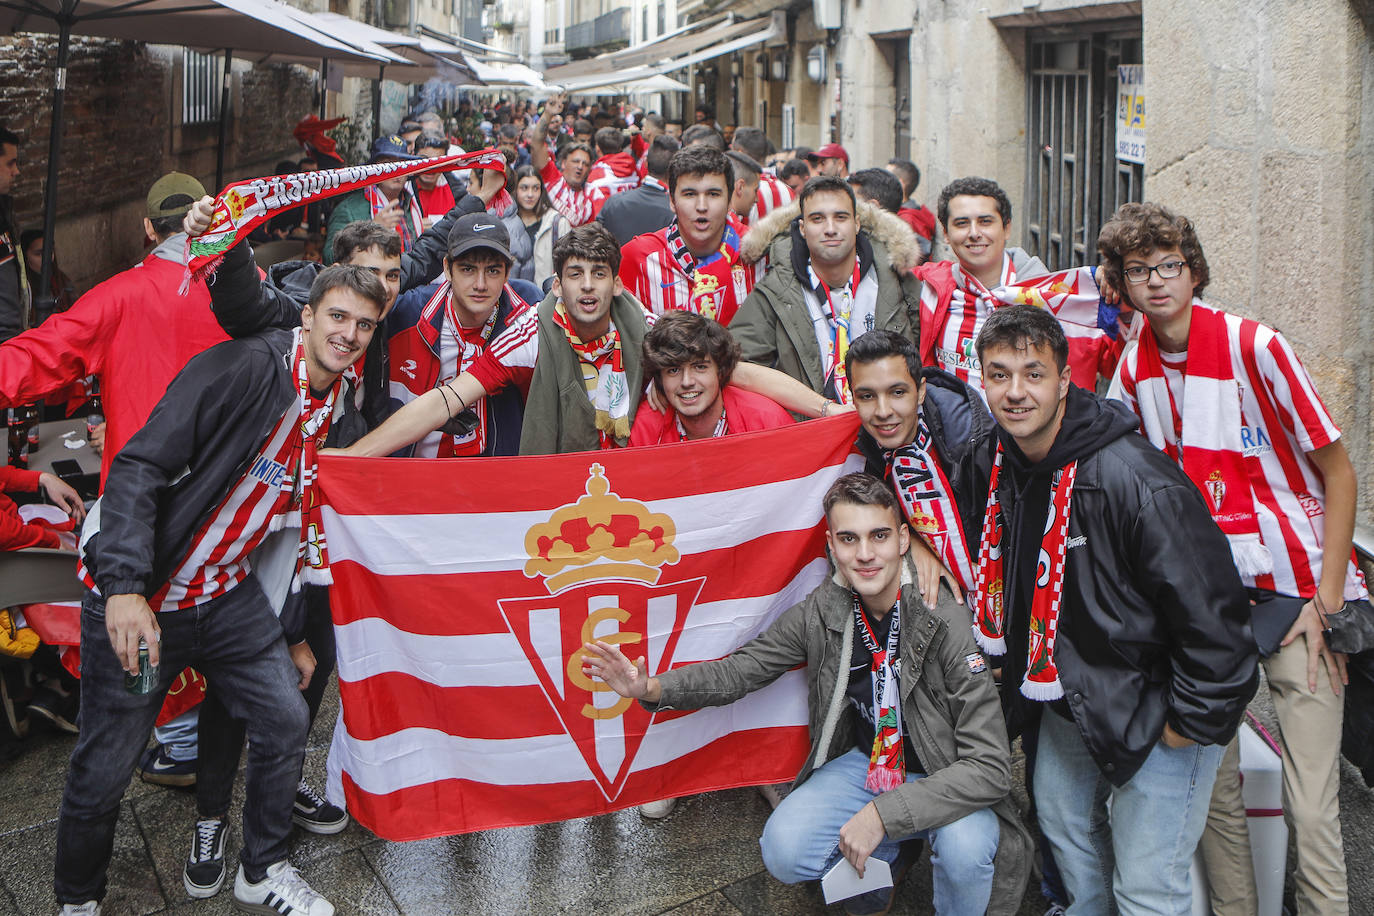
(244, 205)
(312, 557)
(924, 491)
(886, 763)
(718, 283)
(1041, 681)
(1209, 448)
(608, 389)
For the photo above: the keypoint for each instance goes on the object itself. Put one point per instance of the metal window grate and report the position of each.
(1074, 182)
(201, 76)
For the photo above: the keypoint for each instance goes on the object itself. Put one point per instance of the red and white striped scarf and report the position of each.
(924, 492)
(312, 558)
(414, 216)
(474, 442)
(1209, 447)
(608, 391)
(1041, 681)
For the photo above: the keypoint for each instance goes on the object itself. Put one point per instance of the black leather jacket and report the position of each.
(1154, 626)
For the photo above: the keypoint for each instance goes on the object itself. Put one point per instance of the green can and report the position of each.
(145, 681)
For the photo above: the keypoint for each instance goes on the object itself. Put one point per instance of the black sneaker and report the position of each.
(203, 874)
(316, 815)
(59, 711)
(160, 770)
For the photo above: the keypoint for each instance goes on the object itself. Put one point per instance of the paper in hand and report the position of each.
(843, 882)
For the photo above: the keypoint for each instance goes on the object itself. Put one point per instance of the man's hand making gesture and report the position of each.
(629, 679)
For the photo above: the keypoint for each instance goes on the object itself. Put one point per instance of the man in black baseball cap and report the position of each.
(437, 342)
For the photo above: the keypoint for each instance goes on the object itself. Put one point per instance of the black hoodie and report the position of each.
(1154, 624)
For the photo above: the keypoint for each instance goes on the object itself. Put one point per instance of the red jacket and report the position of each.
(745, 412)
(134, 332)
(921, 221)
(14, 533)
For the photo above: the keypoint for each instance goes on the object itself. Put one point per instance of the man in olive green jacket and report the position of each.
(834, 262)
(953, 790)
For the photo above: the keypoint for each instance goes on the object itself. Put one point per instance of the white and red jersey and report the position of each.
(576, 205)
(659, 271)
(611, 175)
(510, 358)
(217, 559)
(1282, 419)
(773, 193)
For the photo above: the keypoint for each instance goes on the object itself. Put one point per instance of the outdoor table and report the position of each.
(53, 438)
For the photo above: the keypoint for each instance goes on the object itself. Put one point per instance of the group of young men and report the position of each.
(1047, 539)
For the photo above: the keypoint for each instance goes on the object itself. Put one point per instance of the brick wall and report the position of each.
(121, 134)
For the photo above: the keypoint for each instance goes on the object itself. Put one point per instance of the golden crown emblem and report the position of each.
(601, 536)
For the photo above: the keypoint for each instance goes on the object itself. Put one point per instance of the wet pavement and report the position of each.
(701, 861)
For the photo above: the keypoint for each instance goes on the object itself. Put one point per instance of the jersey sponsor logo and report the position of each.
(958, 360)
(272, 473)
(1254, 441)
(1078, 540)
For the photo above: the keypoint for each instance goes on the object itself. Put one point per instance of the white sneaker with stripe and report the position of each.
(282, 892)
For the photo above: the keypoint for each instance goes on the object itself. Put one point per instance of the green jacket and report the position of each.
(773, 327)
(951, 713)
(559, 417)
(353, 207)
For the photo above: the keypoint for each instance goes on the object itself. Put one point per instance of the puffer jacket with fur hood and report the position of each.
(773, 326)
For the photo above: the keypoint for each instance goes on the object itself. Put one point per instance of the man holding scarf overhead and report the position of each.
(1122, 626)
(388, 202)
(226, 459)
(1228, 400)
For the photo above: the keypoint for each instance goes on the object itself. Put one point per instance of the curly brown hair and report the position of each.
(1148, 227)
(681, 336)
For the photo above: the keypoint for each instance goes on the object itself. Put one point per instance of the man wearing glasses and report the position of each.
(1227, 398)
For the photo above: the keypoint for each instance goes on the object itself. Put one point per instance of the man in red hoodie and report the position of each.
(133, 332)
(614, 171)
(691, 359)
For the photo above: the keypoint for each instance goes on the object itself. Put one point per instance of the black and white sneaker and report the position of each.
(281, 892)
(203, 874)
(315, 814)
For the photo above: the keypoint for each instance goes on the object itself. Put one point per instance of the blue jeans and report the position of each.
(236, 641)
(801, 839)
(1122, 849)
(178, 736)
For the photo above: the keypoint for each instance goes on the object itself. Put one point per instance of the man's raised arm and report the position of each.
(242, 303)
(539, 146)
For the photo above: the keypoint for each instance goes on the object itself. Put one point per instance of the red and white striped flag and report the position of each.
(463, 591)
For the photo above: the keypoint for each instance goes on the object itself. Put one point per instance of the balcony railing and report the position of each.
(604, 33)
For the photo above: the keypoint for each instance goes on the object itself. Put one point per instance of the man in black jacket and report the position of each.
(226, 459)
(14, 289)
(1124, 629)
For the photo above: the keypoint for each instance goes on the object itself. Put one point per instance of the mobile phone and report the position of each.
(67, 468)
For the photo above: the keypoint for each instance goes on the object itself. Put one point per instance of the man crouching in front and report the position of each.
(907, 739)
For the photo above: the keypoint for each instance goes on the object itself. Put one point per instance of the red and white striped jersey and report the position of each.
(657, 269)
(217, 559)
(968, 309)
(510, 358)
(576, 205)
(1282, 419)
(773, 193)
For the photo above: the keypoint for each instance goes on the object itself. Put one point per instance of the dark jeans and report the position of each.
(236, 641)
(221, 735)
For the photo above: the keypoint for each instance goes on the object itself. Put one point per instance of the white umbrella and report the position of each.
(255, 29)
(659, 83)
